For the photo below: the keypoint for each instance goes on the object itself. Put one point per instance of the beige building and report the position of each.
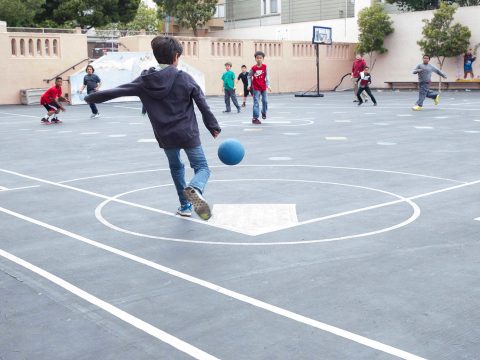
(31, 57)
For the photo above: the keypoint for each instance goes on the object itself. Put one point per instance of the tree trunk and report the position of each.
(440, 62)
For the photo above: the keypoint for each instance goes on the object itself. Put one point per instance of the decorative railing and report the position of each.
(226, 48)
(271, 49)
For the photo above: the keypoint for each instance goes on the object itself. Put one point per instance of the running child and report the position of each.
(244, 77)
(468, 60)
(228, 79)
(92, 82)
(51, 100)
(168, 95)
(364, 82)
(424, 72)
(259, 81)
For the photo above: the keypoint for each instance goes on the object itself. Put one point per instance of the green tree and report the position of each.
(418, 5)
(88, 13)
(415, 5)
(374, 25)
(19, 12)
(441, 39)
(146, 18)
(189, 13)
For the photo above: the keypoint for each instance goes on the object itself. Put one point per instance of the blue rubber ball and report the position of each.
(231, 152)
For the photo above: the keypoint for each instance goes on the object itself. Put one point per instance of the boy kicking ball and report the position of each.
(51, 101)
(167, 95)
(424, 72)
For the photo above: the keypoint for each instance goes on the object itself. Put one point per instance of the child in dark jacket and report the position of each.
(166, 94)
(364, 81)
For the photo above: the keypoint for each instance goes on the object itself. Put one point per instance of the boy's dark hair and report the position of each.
(58, 78)
(244, 66)
(165, 48)
(426, 56)
(259, 53)
(366, 67)
(228, 63)
(91, 67)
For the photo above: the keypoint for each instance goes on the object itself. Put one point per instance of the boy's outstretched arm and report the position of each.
(129, 89)
(439, 72)
(209, 119)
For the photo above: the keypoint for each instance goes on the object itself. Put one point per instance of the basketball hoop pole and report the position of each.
(317, 92)
(321, 35)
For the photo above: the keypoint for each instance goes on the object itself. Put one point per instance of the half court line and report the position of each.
(221, 290)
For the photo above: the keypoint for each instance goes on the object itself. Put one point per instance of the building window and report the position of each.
(47, 47)
(22, 47)
(220, 11)
(14, 47)
(269, 7)
(39, 47)
(273, 6)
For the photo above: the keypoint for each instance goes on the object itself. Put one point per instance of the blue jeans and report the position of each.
(198, 163)
(256, 102)
(93, 107)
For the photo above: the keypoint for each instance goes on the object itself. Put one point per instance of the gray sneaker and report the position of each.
(200, 205)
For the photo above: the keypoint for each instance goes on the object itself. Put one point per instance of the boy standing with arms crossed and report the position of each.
(167, 95)
(244, 77)
(228, 79)
(424, 72)
(259, 81)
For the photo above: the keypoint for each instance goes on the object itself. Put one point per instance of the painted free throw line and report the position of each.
(203, 283)
(120, 314)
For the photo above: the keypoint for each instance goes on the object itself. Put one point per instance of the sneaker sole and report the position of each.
(199, 204)
(183, 214)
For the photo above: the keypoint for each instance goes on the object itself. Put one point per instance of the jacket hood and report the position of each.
(158, 82)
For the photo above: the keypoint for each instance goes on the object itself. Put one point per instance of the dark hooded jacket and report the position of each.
(167, 96)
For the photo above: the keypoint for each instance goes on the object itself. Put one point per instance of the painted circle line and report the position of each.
(415, 214)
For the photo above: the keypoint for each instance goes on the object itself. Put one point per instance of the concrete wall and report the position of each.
(44, 55)
(291, 63)
(404, 53)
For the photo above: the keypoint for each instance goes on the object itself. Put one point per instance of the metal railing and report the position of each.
(63, 72)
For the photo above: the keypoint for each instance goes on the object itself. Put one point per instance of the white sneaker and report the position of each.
(97, 115)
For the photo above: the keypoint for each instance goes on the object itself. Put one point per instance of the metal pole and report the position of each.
(318, 68)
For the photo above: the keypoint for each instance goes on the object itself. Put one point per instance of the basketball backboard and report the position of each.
(322, 35)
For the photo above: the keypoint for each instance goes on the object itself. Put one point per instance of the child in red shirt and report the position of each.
(49, 101)
(259, 81)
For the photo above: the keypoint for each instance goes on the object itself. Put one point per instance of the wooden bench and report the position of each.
(446, 85)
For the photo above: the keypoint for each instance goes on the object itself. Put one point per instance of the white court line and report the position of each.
(423, 127)
(113, 310)
(478, 219)
(146, 140)
(229, 293)
(30, 116)
(335, 138)
(3, 188)
(117, 135)
(90, 133)
(19, 188)
(262, 166)
(144, 207)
